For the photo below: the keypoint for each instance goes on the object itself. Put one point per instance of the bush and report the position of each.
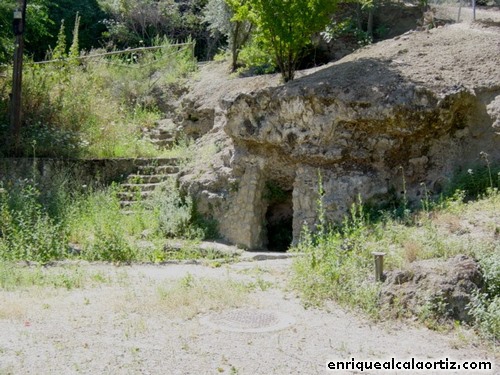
(27, 232)
(110, 245)
(177, 215)
(255, 60)
(475, 181)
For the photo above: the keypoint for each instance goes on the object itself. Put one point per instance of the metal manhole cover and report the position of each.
(248, 320)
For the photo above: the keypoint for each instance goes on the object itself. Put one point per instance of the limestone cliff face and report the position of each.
(371, 125)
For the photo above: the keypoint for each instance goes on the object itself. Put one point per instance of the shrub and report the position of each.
(27, 232)
(110, 245)
(177, 215)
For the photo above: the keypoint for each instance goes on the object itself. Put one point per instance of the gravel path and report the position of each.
(122, 327)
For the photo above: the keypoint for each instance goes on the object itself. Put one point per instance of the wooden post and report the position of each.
(379, 265)
(17, 75)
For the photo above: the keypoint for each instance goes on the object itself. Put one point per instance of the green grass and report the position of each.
(15, 277)
(337, 262)
(95, 108)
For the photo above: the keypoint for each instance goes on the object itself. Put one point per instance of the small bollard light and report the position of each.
(379, 265)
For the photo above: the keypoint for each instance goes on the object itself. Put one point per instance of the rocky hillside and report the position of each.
(392, 119)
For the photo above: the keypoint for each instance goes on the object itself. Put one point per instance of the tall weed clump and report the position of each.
(27, 232)
(177, 215)
(485, 308)
(336, 261)
(44, 219)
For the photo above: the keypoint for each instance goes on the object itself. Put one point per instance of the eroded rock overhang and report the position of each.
(389, 121)
(371, 138)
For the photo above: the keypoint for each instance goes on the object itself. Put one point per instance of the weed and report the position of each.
(27, 231)
(485, 308)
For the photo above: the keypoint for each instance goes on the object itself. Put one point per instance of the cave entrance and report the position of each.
(279, 222)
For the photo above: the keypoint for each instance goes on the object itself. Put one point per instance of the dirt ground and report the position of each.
(123, 327)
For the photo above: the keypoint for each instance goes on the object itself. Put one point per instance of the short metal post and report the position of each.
(379, 265)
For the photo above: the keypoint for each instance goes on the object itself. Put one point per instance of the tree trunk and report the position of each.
(369, 26)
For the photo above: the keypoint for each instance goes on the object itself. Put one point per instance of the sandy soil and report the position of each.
(122, 328)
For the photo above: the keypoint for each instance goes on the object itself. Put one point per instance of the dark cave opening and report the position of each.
(279, 223)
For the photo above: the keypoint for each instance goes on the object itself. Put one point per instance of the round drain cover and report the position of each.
(248, 320)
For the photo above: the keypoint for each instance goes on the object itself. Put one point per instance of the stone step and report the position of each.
(161, 169)
(141, 187)
(161, 134)
(156, 161)
(151, 174)
(133, 195)
(128, 204)
(147, 178)
(163, 142)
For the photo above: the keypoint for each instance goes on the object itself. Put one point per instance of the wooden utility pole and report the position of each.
(17, 75)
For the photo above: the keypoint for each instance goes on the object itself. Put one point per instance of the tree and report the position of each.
(286, 26)
(37, 27)
(91, 23)
(223, 17)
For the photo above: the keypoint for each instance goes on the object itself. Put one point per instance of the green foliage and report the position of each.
(90, 19)
(74, 50)
(346, 27)
(255, 59)
(13, 277)
(337, 261)
(177, 215)
(286, 27)
(51, 218)
(98, 107)
(109, 244)
(486, 306)
(36, 33)
(475, 181)
(60, 48)
(26, 230)
(274, 193)
(133, 23)
(221, 16)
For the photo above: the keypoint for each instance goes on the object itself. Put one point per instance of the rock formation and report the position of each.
(443, 287)
(392, 120)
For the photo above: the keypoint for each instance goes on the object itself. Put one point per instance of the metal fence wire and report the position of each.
(466, 10)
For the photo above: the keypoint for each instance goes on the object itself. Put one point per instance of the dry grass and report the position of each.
(183, 298)
(13, 307)
(191, 296)
(411, 251)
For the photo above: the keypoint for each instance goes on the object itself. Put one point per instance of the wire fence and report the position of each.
(178, 47)
(467, 10)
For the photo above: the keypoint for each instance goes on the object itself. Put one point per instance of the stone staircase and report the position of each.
(150, 175)
(163, 135)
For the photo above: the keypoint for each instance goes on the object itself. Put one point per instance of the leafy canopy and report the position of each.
(286, 26)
